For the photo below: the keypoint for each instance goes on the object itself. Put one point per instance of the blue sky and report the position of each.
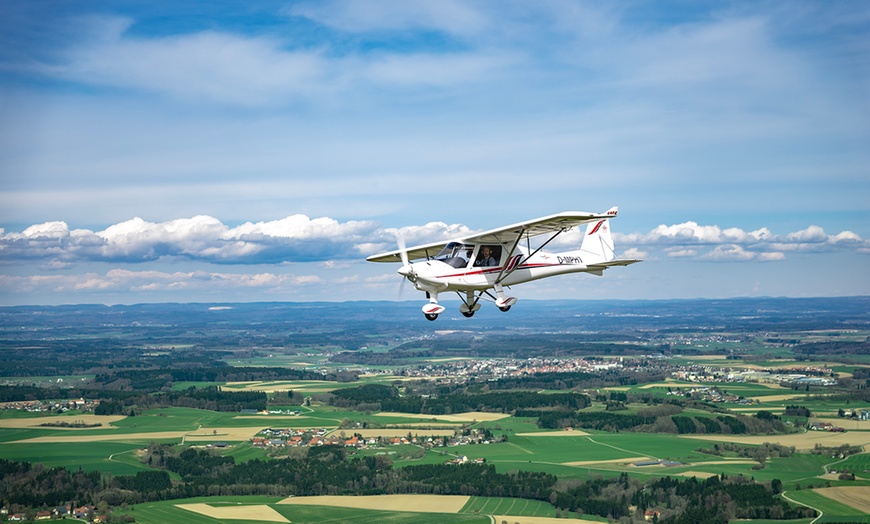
(247, 151)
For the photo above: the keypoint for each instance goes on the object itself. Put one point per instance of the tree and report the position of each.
(776, 486)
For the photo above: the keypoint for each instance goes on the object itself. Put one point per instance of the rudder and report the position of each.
(597, 245)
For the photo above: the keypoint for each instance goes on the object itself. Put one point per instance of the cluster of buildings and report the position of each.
(293, 437)
(808, 375)
(59, 512)
(826, 426)
(38, 406)
(503, 367)
(711, 394)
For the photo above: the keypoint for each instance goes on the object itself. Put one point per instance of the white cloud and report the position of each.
(299, 238)
(771, 256)
(727, 253)
(205, 238)
(680, 253)
(689, 239)
(215, 66)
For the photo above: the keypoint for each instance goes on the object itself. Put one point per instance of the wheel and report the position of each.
(430, 316)
(505, 308)
(468, 314)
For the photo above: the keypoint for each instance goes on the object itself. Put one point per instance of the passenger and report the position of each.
(486, 258)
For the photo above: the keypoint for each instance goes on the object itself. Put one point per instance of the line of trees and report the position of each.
(376, 397)
(326, 470)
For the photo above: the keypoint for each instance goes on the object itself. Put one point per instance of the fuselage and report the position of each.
(438, 275)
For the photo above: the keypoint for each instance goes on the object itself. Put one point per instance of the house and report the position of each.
(43, 515)
(651, 514)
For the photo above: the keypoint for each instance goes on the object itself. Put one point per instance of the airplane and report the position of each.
(503, 257)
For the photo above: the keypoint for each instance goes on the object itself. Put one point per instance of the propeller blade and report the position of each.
(403, 250)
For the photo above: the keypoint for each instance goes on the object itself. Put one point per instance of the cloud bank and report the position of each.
(298, 238)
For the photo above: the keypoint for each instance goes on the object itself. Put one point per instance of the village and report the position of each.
(309, 437)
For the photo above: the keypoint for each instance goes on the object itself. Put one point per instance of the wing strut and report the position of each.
(501, 274)
(505, 272)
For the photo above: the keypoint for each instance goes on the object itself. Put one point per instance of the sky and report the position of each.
(259, 151)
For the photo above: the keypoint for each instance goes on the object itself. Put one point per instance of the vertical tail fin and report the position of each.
(597, 245)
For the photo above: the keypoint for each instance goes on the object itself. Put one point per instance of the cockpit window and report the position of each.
(455, 254)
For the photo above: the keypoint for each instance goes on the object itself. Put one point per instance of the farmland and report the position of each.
(676, 401)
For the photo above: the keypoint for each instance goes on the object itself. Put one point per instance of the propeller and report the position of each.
(405, 270)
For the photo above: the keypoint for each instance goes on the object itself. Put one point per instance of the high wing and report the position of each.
(423, 251)
(507, 235)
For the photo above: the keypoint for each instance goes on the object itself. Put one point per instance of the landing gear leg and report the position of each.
(433, 308)
(504, 303)
(470, 304)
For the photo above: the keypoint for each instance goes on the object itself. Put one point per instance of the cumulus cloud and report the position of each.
(712, 243)
(296, 238)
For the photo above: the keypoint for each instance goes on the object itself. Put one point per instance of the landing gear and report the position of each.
(504, 303)
(432, 309)
(470, 304)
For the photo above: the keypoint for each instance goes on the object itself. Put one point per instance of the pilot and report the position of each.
(486, 258)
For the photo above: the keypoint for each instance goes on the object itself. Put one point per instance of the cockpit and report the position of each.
(456, 254)
(459, 255)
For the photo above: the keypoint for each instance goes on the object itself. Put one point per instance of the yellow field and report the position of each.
(309, 386)
(852, 425)
(212, 434)
(780, 398)
(857, 497)
(801, 441)
(417, 503)
(264, 513)
(87, 419)
(102, 438)
(513, 519)
(271, 418)
(471, 416)
(564, 433)
(667, 383)
(626, 461)
(699, 474)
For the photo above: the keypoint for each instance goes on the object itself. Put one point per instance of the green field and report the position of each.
(832, 510)
(508, 506)
(527, 448)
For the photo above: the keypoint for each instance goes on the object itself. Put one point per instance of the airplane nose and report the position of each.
(404, 270)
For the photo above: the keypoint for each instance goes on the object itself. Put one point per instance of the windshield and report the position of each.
(456, 254)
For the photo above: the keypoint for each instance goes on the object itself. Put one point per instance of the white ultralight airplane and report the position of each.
(500, 258)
